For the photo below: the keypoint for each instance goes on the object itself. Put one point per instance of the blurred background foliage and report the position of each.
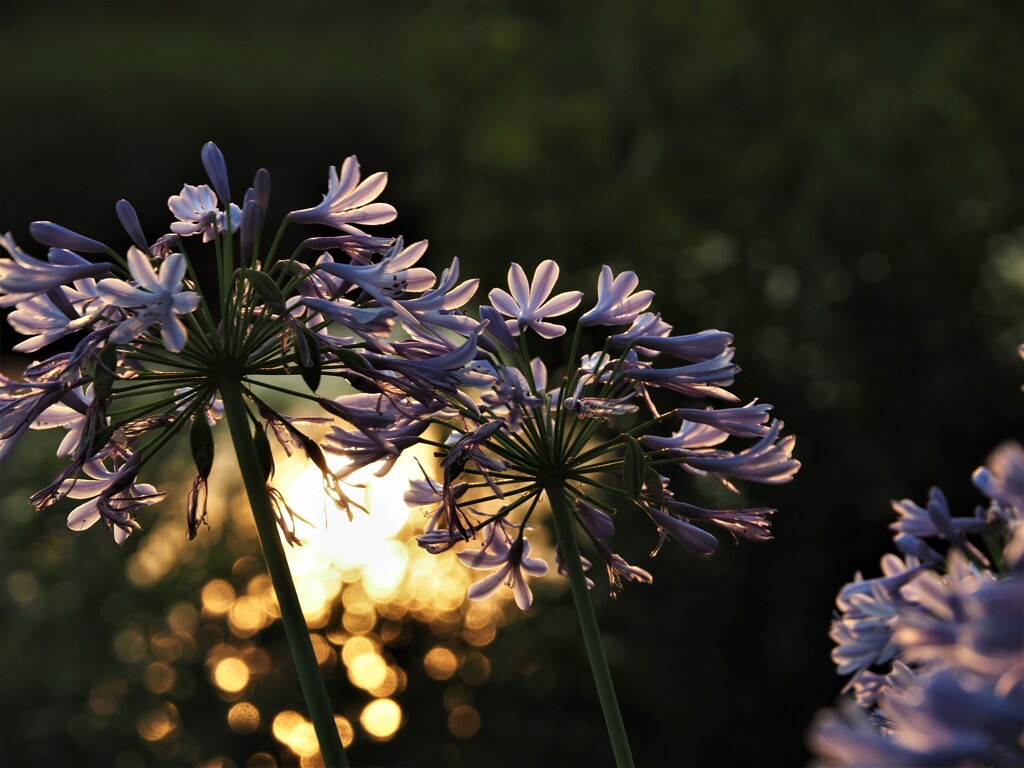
(841, 186)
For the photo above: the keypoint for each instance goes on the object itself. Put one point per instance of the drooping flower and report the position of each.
(512, 562)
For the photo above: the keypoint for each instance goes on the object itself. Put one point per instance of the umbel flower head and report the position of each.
(157, 348)
(600, 440)
(936, 644)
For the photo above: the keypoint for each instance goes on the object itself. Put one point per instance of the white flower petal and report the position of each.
(171, 273)
(562, 303)
(502, 302)
(83, 516)
(368, 190)
(520, 287)
(142, 270)
(521, 590)
(544, 278)
(173, 334)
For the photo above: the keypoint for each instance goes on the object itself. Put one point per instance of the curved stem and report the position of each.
(588, 622)
(313, 688)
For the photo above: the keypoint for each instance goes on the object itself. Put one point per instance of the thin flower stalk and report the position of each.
(563, 522)
(253, 476)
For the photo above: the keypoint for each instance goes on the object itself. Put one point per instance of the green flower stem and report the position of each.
(313, 688)
(588, 621)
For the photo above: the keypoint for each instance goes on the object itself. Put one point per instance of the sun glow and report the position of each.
(335, 549)
(365, 588)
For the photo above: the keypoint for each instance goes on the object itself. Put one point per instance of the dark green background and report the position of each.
(840, 187)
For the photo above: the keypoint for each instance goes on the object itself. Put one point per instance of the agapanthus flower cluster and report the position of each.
(605, 439)
(157, 344)
(935, 645)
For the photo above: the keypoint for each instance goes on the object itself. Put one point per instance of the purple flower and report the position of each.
(864, 634)
(113, 496)
(436, 306)
(71, 414)
(513, 563)
(646, 325)
(703, 379)
(694, 540)
(390, 277)
(197, 212)
(619, 570)
(526, 304)
(56, 313)
(595, 521)
(748, 421)
(953, 628)
(696, 347)
(348, 201)
(935, 521)
(156, 297)
(616, 302)
(770, 460)
(1002, 478)
(496, 327)
(23, 277)
(21, 404)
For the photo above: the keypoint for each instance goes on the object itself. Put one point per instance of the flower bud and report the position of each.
(130, 221)
(263, 452)
(201, 441)
(56, 236)
(633, 466)
(217, 170)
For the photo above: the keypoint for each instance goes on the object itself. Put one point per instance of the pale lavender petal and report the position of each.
(691, 538)
(502, 302)
(185, 302)
(83, 516)
(459, 295)
(374, 213)
(121, 294)
(121, 534)
(520, 288)
(488, 586)
(368, 190)
(562, 303)
(544, 278)
(173, 333)
(345, 181)
(547, 330)
(142, 270)
(523, 595)
(130, 329)
(171, 273)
